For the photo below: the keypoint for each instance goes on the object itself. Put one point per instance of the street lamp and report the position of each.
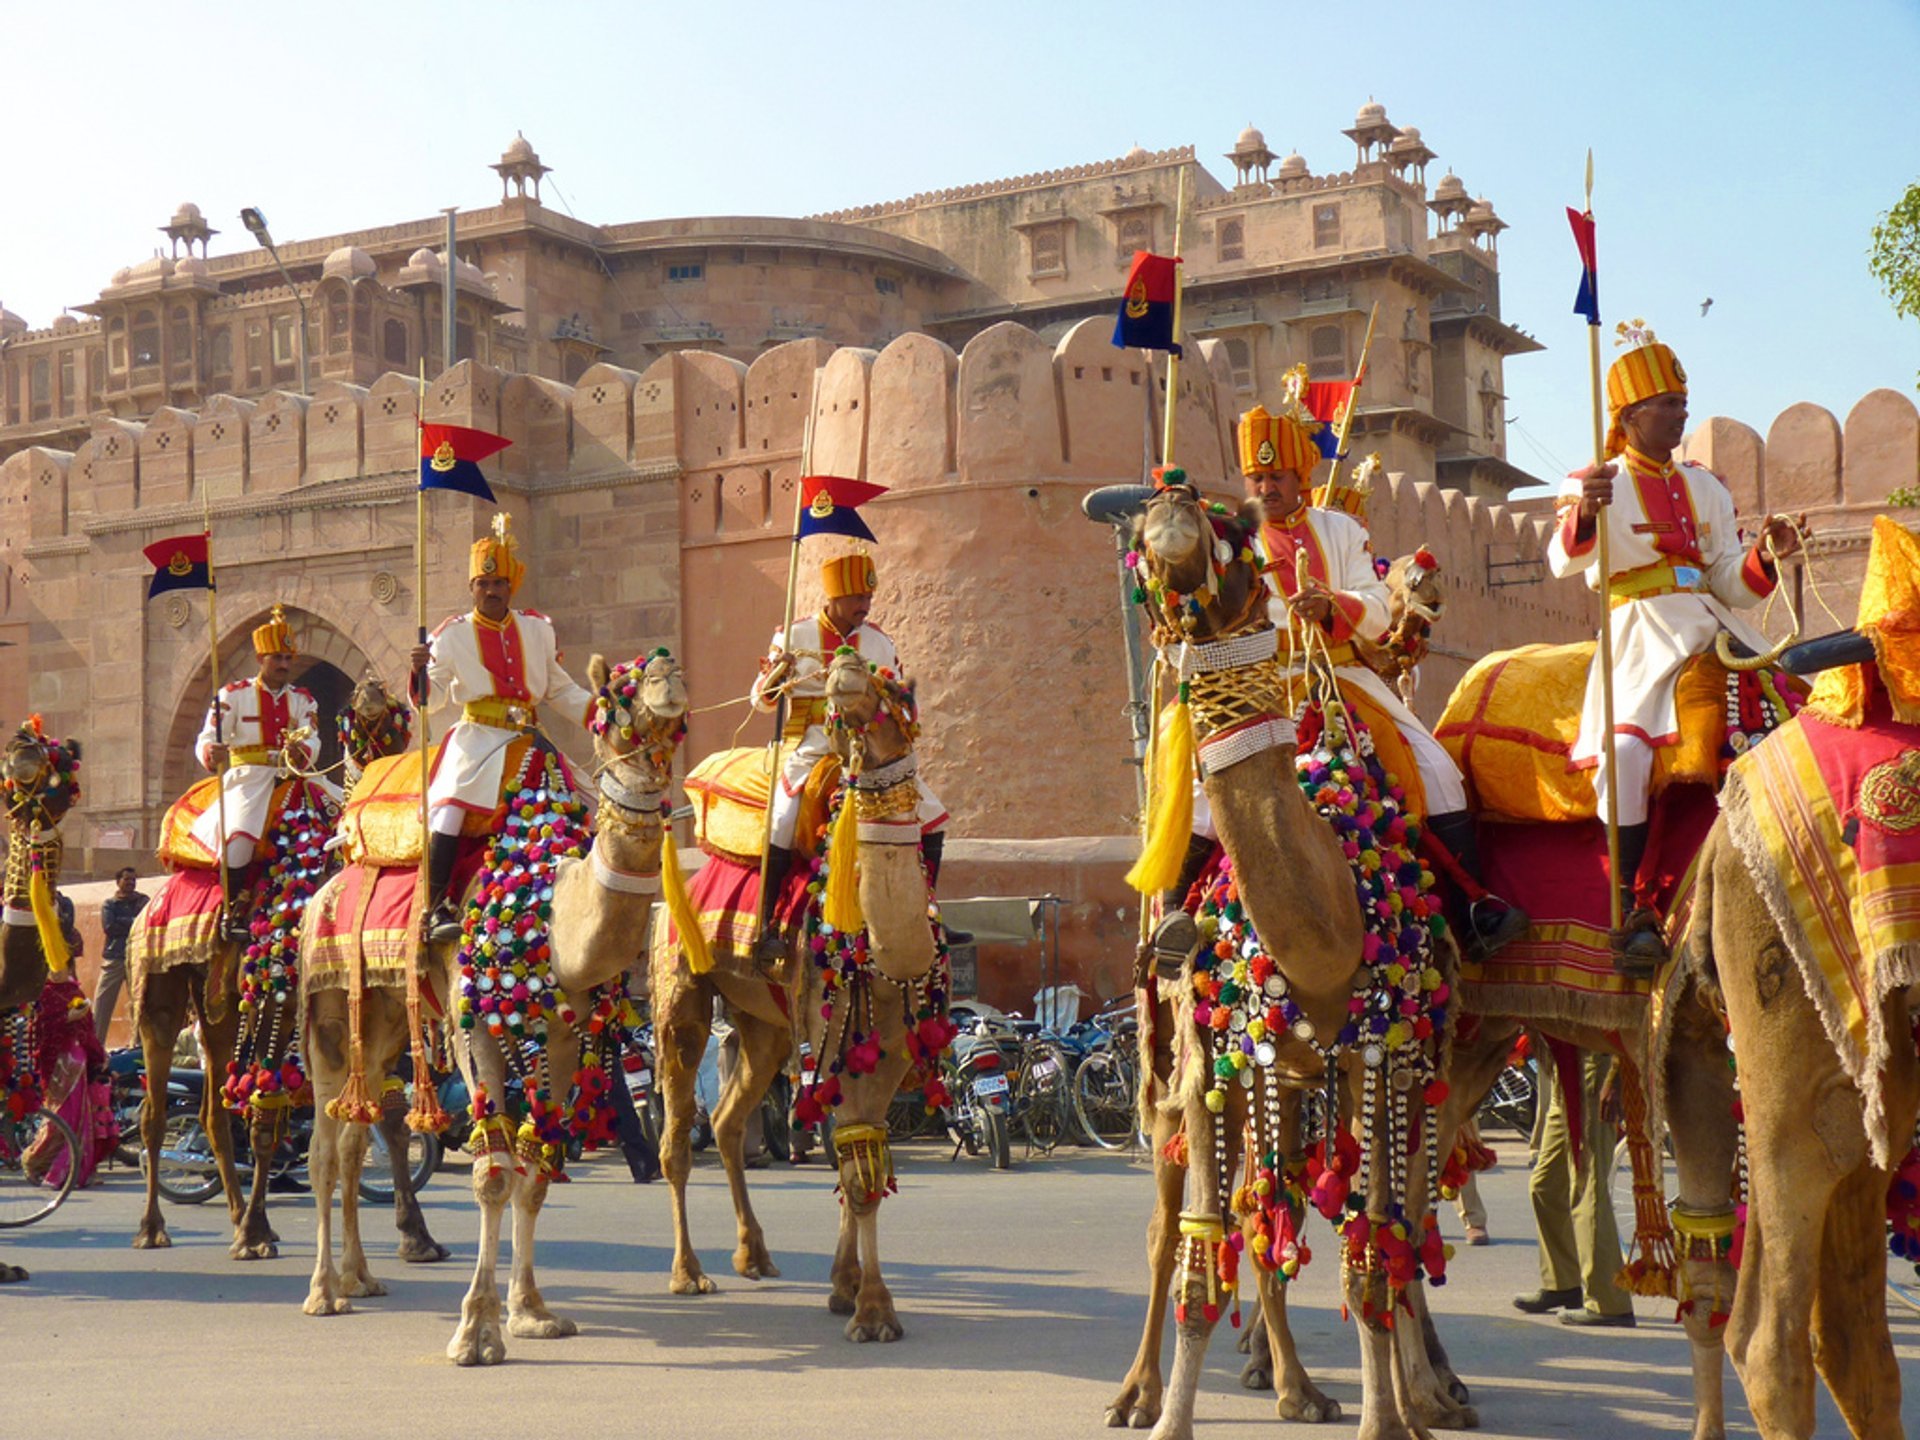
(256, 224)
(1116, 505)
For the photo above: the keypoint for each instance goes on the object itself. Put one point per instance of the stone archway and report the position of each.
(329, 665)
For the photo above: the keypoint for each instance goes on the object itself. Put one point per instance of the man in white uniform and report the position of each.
(795, 666)
(1319, 566)
(1678, 563)
(254, 729)
(502, 667)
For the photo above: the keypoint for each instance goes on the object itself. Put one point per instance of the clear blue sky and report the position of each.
(1743, 150)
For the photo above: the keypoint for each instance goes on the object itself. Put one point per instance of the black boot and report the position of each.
(236, 920)
(443, 915)
(1638, 947)
(770, 943)
(931, 848)
(1491, 921)
(1176, 937)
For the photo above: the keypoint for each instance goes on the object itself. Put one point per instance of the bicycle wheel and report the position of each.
(1042, 1095)
(188, 1172)
(376, 1176)
(1511, 1101)
(39, 1159)
(1104, 1099)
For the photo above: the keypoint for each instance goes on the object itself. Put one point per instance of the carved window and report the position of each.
(1047, 250)
(691, 270)
(1326, 226)
(339, 331)
(1232, 239)
(180, 341)
(1136, 233)
(96, 375)
(69, 391)
(463, 331)
(146, 338)
(220, 355)
(256, 354)
(39, 390)
(283, 342)
(393, 343)
(362, 319)
(1327, 353)
(1240, 357)
(117, 342)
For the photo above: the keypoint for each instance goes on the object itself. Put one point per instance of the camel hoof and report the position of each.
(154, 1239)
(1131, 1417)
(1309, 1407)
(253, 1250)
(692, 1285)
(1457, 1390)
(486, 1347)
(1143, 1420)
(1460, 1417)
(540, 1327)
(422, 1250)
(759, 1266)
(12, 1275)
(1257, 1374)
(363, 1285)
(879, 1329)
(839, 1304)
(318, 1304)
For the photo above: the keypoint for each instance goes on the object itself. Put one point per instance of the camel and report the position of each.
(871, 717)
(600, 907)
(1298, 891)
(39, 783)
(1812, 1291)
(373, 724)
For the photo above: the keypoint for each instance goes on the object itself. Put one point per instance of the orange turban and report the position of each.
(1270, 443)
(496, 554)
(849, 575)
(1647, 368)
(276, 636)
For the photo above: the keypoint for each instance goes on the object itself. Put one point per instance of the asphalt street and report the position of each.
(1020, 1293)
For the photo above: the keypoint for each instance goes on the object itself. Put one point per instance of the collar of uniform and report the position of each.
(827, 628)
(1647, 465)
(1294, 518)
(483, 623)
(266, 689)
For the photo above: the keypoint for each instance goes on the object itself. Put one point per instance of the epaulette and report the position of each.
(305, 694)
(459, 619)
(236, 687)
(534, 615)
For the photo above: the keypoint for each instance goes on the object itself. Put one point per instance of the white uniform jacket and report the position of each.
(1671, 538)
(505, 677)
(811, 643)
(254, 724)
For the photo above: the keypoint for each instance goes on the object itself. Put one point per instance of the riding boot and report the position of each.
(1638, 947)
(1176, 937)
(236, 924)
(931, 848)
(770, 942)
(1491, 921)
(443, 915)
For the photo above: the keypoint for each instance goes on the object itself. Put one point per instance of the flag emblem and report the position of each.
(1137, 301)
(822, 506)
(443, 457)
(1266, 453)
(181, 564)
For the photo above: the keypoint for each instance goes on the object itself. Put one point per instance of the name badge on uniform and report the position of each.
(1687, 577)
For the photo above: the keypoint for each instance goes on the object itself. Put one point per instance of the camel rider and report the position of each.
(1678, 562)
(1343, 596)
(795, 666)
(501, 666)
(254, 729)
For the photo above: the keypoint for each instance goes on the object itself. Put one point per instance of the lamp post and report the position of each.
(256, 224)
(1116, 505)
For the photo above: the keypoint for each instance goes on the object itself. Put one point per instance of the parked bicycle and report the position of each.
(39, 1160)
(1106, 1080)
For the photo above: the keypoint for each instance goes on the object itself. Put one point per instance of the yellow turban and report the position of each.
(1647, 368)
(1270, 443)
(849, 575)
(496, 554)
(1890, 617)
(276, 636)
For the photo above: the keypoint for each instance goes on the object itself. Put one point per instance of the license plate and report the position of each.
(987, 1086)
(638, 1080)
(1045, 1067)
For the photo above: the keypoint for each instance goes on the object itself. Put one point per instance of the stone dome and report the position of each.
(519, 151)
(1294, 167)
(188, 213)
(1450, 187)
(125, 273)
(423, 259)
(158, 268)
(348, 263)
(1139, 153)
(1371, 113)
(63, 323)
(190, 267)
(10, 323)
(1481, 209)
(1250, 139)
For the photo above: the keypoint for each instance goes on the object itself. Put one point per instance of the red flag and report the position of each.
(1587, 302)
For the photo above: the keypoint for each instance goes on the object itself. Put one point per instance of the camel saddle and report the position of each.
(730, 790)
(380, 823)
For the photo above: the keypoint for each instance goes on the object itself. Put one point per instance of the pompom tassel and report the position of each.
(840, 907)
(1170, 817)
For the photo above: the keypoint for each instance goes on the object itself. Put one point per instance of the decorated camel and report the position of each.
(867, 956)
(1292, 988)
(1804, 926)
(39, 783)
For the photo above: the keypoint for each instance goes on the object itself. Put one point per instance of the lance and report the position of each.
(219, 710)
(1345, 428)
(1173, 355)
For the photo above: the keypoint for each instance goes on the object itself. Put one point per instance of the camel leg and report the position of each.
(417, 1245)
(763, 1052)
(866, 1167)
(326, 1068)
(1138, 1403)
(843, 1278)
(528, 1317)
(163, 1011)
(1851, 1343)
(477, 1340)
(1298, 1398)
(1705, 1144)
(680, 1029)
(220, 1039)
(355, 1276)
(253, 1237)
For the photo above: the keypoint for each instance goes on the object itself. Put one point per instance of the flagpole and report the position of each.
(424, 685)
(1606, 608)
(219, 710)
(786, 637)
(1345, 428)
(1173, 355)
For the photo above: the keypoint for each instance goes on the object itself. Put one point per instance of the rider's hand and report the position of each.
(419, 655)
(776, 667)
(217, 756)
(1785, 534)
(1596, 488)
(1313, 605)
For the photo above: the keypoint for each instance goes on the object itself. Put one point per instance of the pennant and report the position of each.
(450, 457)
(830, 505)
(1146, 305)
(179, 564)
(1587, 302)
(1328, 401)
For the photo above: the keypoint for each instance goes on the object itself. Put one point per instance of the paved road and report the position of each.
(1019, 1291)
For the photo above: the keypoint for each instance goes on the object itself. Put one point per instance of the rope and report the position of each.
(1722, 642)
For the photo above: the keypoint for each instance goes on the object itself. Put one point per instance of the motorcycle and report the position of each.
(979, 1113)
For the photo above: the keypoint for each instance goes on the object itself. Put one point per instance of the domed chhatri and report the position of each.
(348, 263)
(1250, 156)
(190, 225)
(520, 163)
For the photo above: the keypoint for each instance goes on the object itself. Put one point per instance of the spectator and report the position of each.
(116, 921)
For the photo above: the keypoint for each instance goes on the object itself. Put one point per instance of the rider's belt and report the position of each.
(250, 755)
(803, 713)
(501, 714)
(1663, 577)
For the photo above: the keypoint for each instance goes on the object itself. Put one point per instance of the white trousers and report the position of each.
(1632, 782)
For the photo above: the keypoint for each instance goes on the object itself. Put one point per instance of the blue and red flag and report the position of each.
(179, 564)
(830, 505)
(450, 457)
(1587, 302)
(1146, 305)
(1327, 401)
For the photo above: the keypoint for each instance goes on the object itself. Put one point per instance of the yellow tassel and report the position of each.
(673, 888)
(1170, 804)
(840, 908)
(46, 920)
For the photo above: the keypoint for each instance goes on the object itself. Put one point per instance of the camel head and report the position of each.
(39, 776)
(374, 724)
(1413, 583)
(1196, 565)
(639, 719)
(872, 719)
(370, 700)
